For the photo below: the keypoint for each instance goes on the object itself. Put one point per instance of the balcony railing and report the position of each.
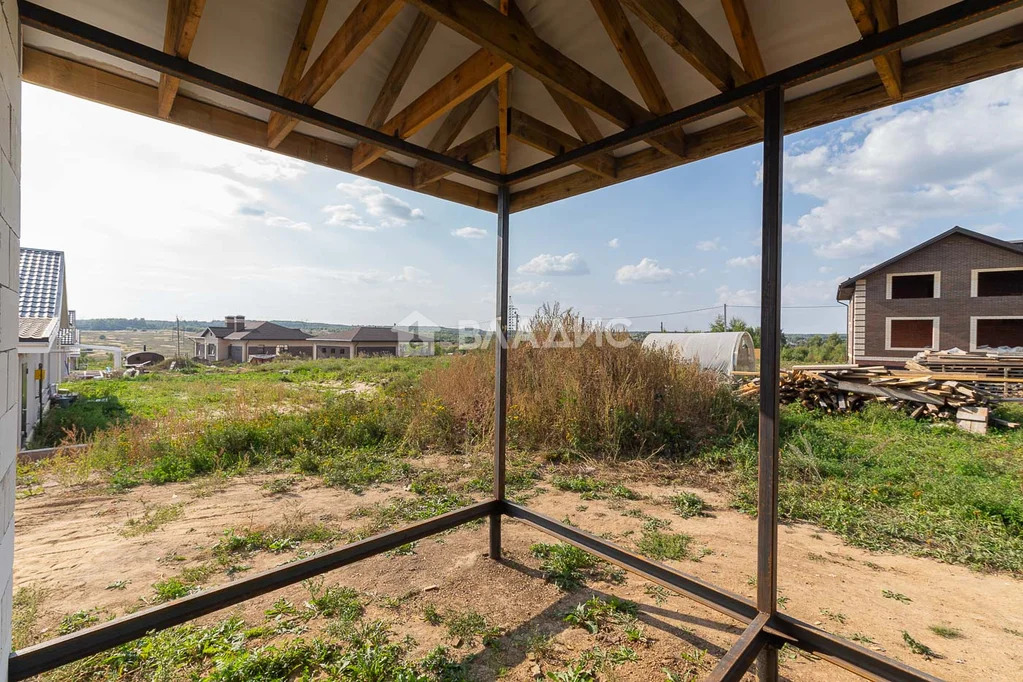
(69, 337)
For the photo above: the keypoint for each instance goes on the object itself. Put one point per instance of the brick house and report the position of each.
(961, 289)
(239, 339)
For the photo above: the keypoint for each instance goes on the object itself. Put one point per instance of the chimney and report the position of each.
(229, 322)
(239, 323)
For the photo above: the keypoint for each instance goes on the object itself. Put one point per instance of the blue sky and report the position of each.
(159, 221)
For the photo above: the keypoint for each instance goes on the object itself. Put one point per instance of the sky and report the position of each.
(158, 221)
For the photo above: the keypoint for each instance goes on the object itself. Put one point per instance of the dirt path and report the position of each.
(71, 544)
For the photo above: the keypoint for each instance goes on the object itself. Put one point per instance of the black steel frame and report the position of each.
(766, 628)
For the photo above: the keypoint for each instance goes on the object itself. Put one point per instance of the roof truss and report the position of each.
(506, 42)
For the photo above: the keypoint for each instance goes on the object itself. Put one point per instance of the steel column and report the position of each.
(500, 367)
(770, 369)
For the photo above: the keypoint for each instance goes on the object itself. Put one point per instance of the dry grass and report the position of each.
(578, 388)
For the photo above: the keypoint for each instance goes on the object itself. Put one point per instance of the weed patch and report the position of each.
(657, 544)
(153, 517)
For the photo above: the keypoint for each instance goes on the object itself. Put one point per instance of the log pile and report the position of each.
(848, 388)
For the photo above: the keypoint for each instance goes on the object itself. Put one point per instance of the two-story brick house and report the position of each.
(961, 289)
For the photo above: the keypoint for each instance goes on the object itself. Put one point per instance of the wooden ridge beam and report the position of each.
(745, 40)
(448, 131)
(413, 46)
(554, 141)
(178, 35)
(979, 58)
(517, 43)
(474, 74)
(473, 150)
(366, 22)
(503, 103)
(684, 34)
(873, 16)
(88, 82)
(305, 35)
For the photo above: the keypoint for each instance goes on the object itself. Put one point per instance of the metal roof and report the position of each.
(41, 283)
(365, 334)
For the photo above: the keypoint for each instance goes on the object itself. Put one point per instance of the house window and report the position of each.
(914, 285)
(995, 332)
(911, 333)
(997, 282)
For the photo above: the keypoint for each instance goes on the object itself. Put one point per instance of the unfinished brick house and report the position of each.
(961, 289)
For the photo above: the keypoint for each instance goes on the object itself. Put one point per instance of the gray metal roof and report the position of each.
(41, 283)
(358, 334)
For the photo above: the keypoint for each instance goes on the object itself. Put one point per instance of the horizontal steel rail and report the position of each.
(66, 27)
(783, 629)
(716, 598)
(733, 665)
(913, 31)
(49, 655)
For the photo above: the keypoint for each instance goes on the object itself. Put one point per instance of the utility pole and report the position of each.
(725, 305)
(177, 325)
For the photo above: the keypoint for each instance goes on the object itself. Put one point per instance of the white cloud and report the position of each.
(744, 261)
(382, 210)
(737, 296)
(812, 292)
(287, 223)
(529, 288)
(824, 269)
(469, 233)
(613, 243)
(647, 270)
(941, 159)
(709, 244)
(410, 273)
(550, 264)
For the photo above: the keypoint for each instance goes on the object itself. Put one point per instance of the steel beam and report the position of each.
(76, 31)
(935, 23)
(733, 665)
(770, 370)
(500, 367)
(62, 650)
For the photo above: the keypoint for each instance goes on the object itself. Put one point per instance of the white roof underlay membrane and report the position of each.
(250, 40)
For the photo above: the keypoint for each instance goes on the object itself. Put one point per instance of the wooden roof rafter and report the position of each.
(425, 172)
(305, 34)
(516, 42)
(872, 16)
(503, 104)
(179, 34)
(365, 23)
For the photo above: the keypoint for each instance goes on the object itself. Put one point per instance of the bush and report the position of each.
(77, 422)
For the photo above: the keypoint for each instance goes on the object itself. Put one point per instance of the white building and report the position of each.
(47, 338)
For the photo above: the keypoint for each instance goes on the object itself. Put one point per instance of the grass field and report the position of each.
(396, 440)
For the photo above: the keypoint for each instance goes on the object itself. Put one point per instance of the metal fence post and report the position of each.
(770, 366)
(500, 367)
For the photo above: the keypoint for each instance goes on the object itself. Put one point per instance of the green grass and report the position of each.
(946, 631)
(564, 565)
(336, 601)
(153, 517)
(688, 505)
(73, 622)
(25, 604)
(888, 483)
(469, 627)
(590, 488)
(594, 613)
(657, 544)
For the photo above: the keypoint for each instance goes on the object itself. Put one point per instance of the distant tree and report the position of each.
(737, 324)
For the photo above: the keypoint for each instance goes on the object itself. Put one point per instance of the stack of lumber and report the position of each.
(998, 374)
(845, 388)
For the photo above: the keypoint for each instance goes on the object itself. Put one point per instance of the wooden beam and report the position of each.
(413, 46)
(178, 35)
(745, 40)
(97, 85)
(554, 141)
(636, 63)
(475, 73)
(872, 16)
(682, 33)
(503, 102)
(367, 21)
(449, 130)
(473, 150)
(980, 58)
(518, 44)
(305, 35)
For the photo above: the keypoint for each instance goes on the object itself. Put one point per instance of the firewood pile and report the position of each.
(846, 388)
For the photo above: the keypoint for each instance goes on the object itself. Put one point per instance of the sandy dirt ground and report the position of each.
(70, 543)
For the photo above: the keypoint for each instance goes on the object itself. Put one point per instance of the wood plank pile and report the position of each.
(847, 388)
(978, 362)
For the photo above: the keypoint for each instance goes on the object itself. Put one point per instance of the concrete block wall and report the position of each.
(10, 238)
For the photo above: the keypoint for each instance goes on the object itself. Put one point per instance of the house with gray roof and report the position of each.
(48, 341)
(238, 340)
(370, 341)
